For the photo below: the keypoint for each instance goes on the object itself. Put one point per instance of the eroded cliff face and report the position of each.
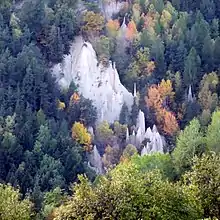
(95, 82)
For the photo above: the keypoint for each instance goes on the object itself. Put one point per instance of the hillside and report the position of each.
(119, 98)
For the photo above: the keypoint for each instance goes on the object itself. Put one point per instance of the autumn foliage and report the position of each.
(150, 67)
(131, 30)
(112, 27)
(61, 105)
(75, 97)
(170, 123)
(158, 99)
(93, 22)
(81, 135)
(150, 19)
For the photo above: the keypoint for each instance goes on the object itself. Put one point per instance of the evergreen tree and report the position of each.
(134, 113)
(214, 28)
(192, 67)
(216, 53)
(157, 55)
(124, 115)
(207, 54)
(207, 8)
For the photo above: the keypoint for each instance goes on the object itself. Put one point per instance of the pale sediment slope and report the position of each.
(100, 84)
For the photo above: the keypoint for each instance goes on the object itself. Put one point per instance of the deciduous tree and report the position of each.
(93, 23)
(190, 142)
(205, 179)
(11, 206)
(80, 134)
(212, 137)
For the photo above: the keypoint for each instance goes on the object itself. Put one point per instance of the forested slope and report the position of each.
(170, 50)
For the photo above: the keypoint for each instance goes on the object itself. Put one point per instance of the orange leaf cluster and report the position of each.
(157, 96)
(75, 97)
(154, 98)
(170, 125)
(113, 26)
(131, 30)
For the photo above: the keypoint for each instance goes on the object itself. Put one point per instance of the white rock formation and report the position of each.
(156, 142)
(110, 7)
(154, 129)
(145, 150)
(190, 96)
(127, 135)
(91, 131)
(135, 90)
(101, 85)
(139, 137)
(122, 41)
(141, 122)
(95, 161)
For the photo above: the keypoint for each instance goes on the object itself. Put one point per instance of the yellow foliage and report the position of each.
(165, 89)
(112, 27)
(166, 18)
(88, 148)
(94, 22)
(80, 134)
(136, 12)
(61, 105)
(150, 67)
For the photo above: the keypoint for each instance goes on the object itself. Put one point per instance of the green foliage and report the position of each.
(174, 40)
(129, 151)
(192, 65)
(124, 115)
(11, 206)
(52, 199)
(190, 142)
(134, 113)
(140, 65)
(212, 136)
(127, 193)
(79, 111)
(205, 178)
(103, 50)
(162, 162)
(104, 133)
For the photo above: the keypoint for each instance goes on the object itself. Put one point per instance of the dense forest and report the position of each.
(170, 51)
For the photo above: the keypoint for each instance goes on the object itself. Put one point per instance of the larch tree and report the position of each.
(81, 135)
